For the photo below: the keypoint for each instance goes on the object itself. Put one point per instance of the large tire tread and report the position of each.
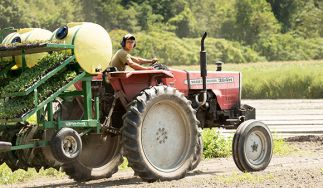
(130, 131)
(235, 154)
(198, 153)
(77, 173)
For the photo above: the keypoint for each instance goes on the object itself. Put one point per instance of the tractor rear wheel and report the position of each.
(160, 136)
(100, 158)
(101, 153)
(252, 146)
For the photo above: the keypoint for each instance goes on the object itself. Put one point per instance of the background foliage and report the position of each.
(239, 30)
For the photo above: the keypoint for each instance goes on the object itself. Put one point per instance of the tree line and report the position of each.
(239, 30)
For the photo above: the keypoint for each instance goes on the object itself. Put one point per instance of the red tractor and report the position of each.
(165, 110)
(153, 118)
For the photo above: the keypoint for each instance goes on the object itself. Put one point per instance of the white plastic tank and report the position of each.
(28, 35)
(92, 44)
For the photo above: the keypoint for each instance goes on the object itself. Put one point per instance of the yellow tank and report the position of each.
(7, 40)
(28, 35)
(92, 44)
(10, 37)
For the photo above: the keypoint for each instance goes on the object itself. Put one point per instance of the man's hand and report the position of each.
(150, 68)
(154, 60)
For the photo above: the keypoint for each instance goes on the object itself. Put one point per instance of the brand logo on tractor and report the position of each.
(221, 80)
(74, 124)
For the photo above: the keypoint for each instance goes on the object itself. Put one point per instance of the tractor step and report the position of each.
(5, 146)
(232, 120)
(232, 123)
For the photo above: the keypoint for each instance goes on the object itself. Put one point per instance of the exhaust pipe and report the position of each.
(203, 62)
(203, 71)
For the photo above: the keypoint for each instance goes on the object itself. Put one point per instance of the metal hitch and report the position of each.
(5, 146)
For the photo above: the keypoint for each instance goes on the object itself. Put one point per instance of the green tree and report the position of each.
(307, 21)
(184, 23)
(254, 19)
(283, 9)
(165, 15)
(11, 13)
(111, 14)
(50, 14)
(147, 19)
(167, 8)
(214, 16)
(303, 18)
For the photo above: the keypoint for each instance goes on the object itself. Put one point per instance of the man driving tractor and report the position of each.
(123, 57)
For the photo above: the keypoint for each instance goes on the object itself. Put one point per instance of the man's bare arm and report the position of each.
(140, 60)
(137, 66)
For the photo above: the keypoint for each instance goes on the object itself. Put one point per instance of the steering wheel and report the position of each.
(159, 66)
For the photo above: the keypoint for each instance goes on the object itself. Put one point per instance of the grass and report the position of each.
(215, 144)
(124, 165)
(9, 177)
(282, 148)
(236, 178)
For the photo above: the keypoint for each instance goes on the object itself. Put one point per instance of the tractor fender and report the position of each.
(131, 83)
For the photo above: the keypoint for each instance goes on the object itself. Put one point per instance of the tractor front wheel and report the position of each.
(252, 146)
(160, 136)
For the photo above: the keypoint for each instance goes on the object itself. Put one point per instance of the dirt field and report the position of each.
(302, 168)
